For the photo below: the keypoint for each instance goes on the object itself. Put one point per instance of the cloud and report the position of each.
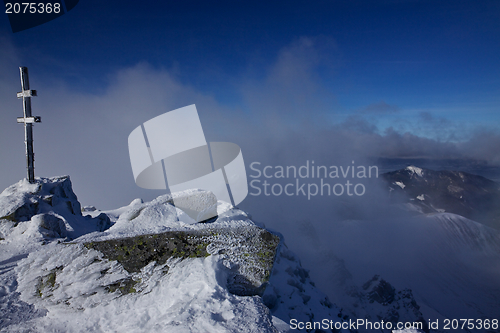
(484, 145)
(379, 108)
(292, 91)
(286, 117)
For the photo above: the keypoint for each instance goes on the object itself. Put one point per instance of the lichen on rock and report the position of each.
(248, 252)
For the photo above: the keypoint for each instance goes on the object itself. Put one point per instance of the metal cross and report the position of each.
(28, 121)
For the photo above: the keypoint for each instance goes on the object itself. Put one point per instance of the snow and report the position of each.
(158, 216)
(191, 298)
(47, 208)
(421, 197)
(400, 184)
(415, 170)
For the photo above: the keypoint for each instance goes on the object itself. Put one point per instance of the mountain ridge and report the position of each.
(429, 191)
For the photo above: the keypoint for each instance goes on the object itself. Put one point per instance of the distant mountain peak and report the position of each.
(415, 170)
(458, 192)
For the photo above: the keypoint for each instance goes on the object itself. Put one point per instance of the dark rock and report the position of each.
(124, 286)
(378, 299)
(102, 222)
(52, 225)
(248, 252)
(382, 293)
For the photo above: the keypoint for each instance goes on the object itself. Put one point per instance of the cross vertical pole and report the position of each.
(28, 121)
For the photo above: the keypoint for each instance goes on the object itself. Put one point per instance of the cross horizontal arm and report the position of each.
(29, 120)
(26, 93)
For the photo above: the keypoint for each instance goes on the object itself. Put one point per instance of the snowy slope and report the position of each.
(451, 264)
(191, 298)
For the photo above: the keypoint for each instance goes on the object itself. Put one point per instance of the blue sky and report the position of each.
(416, 55)
(368, 78)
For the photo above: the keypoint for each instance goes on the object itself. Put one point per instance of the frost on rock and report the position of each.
(46, 209)
(157, 231)
(247, 252)
(83, 292)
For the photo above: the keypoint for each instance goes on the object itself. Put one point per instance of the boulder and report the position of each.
(248, 252)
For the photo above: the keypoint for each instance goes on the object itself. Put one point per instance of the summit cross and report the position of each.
(28, 121)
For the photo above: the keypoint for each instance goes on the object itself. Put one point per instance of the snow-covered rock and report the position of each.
(291, 295)
(415, 170)
(145, 267)
(47, 208)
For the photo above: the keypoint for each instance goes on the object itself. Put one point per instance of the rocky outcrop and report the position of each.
(45, 195)
(248, 252)
(51, 205)
(143, 243)
(155, 253)
(292, 294)
(382, 301)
